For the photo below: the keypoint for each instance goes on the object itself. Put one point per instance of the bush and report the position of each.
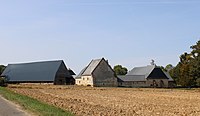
(3, 81)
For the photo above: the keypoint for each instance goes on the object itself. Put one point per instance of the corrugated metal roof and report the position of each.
(35, 71)
(132, 78)
(91, 67)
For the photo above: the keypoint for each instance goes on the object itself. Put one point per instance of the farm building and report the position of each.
(97, 73)
(171, 82)
(148, 76)
(39, 72)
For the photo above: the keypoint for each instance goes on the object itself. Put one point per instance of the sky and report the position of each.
(126, 32)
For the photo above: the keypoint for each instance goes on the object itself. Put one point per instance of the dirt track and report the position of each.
(86, 101)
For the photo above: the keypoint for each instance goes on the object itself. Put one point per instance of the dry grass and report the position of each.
(85, 101)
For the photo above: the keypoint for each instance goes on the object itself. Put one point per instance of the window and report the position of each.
(87, 78)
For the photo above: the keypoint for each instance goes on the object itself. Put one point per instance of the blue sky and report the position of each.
(126, 32)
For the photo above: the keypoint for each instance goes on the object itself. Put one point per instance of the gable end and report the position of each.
(157, 73)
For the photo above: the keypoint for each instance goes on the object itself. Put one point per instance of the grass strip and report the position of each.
(33, 105)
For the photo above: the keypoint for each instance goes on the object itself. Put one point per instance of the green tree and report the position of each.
(2, 67)
(2, 79)
(169, 67)
(187, 71)
(195, 63)
(163, 69)
(175, 73)
(119, 70)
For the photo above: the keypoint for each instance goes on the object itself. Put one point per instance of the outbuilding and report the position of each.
(54, 72)
(147, 76)
(97, 74)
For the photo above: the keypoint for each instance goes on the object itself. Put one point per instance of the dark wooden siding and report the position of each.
(63, 76)
(157, 73)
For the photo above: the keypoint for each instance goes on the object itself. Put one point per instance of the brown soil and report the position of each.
(88, 101)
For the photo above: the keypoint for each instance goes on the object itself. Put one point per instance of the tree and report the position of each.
(2, 67)
(169, 67)
(119, 70)
(175, 73)
(195, 63)
(196, 50)
(162, 68)
(187, 71)
(2, 79)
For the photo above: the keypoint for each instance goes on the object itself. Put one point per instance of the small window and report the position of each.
(83, 78)
(87, 78)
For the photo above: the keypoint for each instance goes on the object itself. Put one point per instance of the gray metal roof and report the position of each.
(80, 74)
(35, 71)
(145, 71)
(168, 75)
(142, 73)
(91, 67)
(138, 74)
(131, 78)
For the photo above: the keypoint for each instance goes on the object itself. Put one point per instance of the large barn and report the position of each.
(97, 74)
(39, 72)
(147, 76)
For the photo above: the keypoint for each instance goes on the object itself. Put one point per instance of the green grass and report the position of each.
(33, 105)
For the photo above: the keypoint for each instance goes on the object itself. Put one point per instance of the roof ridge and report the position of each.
(145, 66)
(145, 70)
(91, 70)
(36, 62)
(150, 70)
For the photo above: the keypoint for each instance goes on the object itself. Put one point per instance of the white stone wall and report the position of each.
(78, 81)
(85, 81)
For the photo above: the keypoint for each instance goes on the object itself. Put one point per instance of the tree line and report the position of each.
(187, 72)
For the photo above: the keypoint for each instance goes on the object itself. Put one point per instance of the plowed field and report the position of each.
(88, 101)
